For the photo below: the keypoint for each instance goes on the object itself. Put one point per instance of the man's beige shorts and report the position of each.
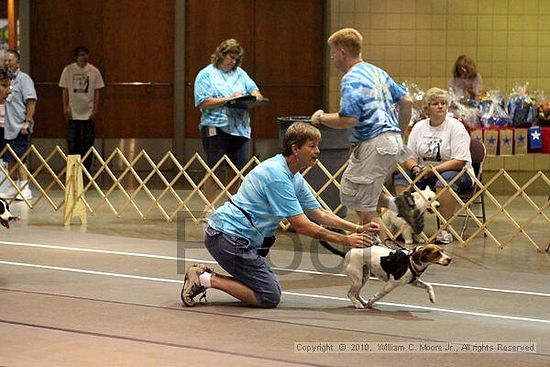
(372, 162)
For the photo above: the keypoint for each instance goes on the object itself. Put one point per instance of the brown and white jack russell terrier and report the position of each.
(395, 267)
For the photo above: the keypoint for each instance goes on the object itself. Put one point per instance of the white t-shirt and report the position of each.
(435, 145)
(81, 84)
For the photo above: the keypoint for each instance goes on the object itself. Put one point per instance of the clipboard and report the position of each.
(246, 102)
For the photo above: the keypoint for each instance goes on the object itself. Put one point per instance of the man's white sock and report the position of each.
(391, 205)
(204, 279)
(22, 183)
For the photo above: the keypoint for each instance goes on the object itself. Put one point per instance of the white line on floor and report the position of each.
(173, 258)
(81, 249)
(470, 313)
(93, 272)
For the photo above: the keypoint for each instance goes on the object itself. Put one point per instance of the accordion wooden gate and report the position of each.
(167, 187)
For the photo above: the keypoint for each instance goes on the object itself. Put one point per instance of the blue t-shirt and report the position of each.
(269, 193)
(212, 82)
(22, 90)
(369, 94)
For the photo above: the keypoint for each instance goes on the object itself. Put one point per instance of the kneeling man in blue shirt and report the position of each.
(272, 191)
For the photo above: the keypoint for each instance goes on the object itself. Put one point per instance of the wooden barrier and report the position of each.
(74, 191)
(177, 188)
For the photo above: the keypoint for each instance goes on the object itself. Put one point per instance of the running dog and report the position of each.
(5, 215)
(394, 223)
(395, 267)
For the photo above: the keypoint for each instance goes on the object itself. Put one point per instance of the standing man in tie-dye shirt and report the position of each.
(376, 109)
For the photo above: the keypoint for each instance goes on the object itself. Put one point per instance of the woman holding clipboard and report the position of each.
(224, 130)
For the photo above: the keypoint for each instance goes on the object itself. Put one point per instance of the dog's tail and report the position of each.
(332, 249)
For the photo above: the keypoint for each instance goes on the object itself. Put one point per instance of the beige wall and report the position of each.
(419, 40)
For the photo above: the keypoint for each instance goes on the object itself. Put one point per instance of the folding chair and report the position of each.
(478, 153)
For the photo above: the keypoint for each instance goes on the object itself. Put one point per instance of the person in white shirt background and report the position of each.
(81, 82)
(20, 107)
(440, 143)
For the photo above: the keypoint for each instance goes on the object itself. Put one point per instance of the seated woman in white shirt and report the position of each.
(440, 143)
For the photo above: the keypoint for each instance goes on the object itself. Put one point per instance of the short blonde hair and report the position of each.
(299, 133)
(229, 46)
(349, 39)
(434, 94)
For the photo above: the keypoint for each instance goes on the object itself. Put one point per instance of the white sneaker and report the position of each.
(444, 238)
(25, 193)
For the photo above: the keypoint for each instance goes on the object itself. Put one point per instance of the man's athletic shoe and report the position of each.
(192, 285)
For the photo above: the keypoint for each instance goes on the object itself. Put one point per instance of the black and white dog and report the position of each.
(395, 267)
(5, 215)
(394, 222)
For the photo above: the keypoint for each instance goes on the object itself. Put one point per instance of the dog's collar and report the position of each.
(416, 273)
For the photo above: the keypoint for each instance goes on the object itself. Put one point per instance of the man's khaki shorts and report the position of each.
(372, 163)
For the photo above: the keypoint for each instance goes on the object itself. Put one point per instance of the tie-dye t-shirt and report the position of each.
(212, 82)
(370, 95)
